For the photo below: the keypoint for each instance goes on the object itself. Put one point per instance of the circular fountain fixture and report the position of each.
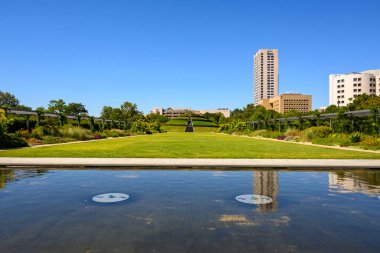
(110, 197)
(254, 199)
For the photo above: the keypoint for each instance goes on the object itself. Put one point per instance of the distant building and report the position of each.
(265, 74)
(286, 102)
(345, 86)
(175, 112)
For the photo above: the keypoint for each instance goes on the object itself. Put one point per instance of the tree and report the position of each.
(57, 106)
(106, 112)
(129, 111)
(8, 100)
(76, 109)
(40, 114)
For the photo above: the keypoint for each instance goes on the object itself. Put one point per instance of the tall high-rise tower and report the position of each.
(265, 74)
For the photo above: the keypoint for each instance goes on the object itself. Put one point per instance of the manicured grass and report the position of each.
(188, 145)
(181, 129)
(183, 122)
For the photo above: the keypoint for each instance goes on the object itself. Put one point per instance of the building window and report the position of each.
(359, 79)
(355, 79)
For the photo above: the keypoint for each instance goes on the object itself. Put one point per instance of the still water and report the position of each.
(189, 211)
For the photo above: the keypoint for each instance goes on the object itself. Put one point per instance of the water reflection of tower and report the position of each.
(266, 183)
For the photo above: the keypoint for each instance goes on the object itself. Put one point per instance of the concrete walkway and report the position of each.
(324, 164)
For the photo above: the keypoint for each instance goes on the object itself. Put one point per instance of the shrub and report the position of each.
(259, 133)
(12, 141)
(3, 122)
(37, 132)
(333, 139)
(356, 137)
(23, 133)
(370, 142)
(53, 140)
(317, 132)
(143, 127)
(281, 137)
(75, 133)
(292, 132)
(51, 130)
(113, 133)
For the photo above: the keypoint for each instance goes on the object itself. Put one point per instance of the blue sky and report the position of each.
(179, 53)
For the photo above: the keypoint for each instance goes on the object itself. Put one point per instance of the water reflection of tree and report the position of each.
(266, 183)
(6, 176)
(10, 175)
(364, 181)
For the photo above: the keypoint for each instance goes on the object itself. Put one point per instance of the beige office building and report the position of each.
(176, 112)
(286, 102)
(265, 74)
(342, 87)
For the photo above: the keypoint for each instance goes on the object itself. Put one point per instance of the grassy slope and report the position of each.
(181, 129)
(183, 122)
(187, 145)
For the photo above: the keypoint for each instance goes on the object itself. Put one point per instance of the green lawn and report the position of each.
(181, 129)
(187, 145)
(179, 122)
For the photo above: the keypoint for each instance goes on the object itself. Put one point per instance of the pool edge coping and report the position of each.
(190, 163)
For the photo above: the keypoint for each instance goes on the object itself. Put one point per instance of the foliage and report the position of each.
(23, 133)
(364, 101)
(317, 132)
(8, 100)
(37, 132)
(293, 132)
(12, 141)
(76, 109)
(355, 137)
(141, 126)
(57, 106)
(76, 133)
(54, 140)
(231, 127)
(113, 133)
(370, 142)
(156, 117)
(3, 122)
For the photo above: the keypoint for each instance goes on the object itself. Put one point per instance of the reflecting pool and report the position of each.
(189, 211)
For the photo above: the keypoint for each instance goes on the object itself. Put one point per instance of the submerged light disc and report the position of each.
(110, 197)
(254, 199)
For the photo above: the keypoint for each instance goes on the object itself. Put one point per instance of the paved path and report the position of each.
(189, 163)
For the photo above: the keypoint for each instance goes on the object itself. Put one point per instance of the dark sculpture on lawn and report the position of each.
(189, 126)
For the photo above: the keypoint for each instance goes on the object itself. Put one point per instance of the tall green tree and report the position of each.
(57, 106)
(8, 100)
(76, 109)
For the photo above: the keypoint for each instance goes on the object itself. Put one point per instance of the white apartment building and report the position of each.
(342, 87)
(265, 74)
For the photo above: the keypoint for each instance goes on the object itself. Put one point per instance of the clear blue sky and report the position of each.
(179, 53)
